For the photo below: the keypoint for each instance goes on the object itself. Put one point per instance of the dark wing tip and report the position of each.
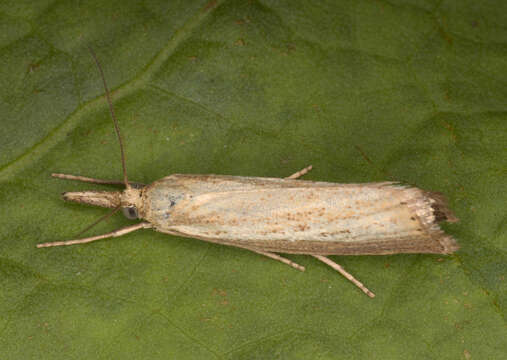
(442, 212)
(440, 208)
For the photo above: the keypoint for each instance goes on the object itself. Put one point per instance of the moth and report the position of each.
(277, 215)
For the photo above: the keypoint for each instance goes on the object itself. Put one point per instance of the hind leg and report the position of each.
(300, 173)
(342, 271)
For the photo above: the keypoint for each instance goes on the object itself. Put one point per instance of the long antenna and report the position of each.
(102, 218)
(113, 116)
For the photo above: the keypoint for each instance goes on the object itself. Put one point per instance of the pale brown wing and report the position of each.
(293, 216)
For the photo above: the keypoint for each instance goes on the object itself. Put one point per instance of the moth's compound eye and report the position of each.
(130, 212)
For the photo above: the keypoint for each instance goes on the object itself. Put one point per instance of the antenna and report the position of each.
(102, 218)
(113, 116)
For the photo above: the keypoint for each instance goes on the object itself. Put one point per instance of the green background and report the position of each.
(412, 91)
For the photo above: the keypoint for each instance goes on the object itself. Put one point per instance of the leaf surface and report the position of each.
(410, 91)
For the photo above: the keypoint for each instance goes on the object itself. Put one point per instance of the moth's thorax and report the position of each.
(133, 197)
(162, 197)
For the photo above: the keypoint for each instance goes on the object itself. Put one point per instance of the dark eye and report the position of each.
(130, 212)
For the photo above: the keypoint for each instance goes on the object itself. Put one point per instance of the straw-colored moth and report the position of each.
(273, 215)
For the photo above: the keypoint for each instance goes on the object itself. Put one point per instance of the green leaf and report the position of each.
(410, 91)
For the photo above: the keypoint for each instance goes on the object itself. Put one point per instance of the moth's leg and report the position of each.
(86, 179)
(116, 233)
(300, 173)
(342, 271)
(277, 257)
(94, 181)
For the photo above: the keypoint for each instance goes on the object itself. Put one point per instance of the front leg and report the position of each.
(115, 233)
(95, 181)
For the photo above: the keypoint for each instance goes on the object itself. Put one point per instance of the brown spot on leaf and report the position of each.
(210, 5)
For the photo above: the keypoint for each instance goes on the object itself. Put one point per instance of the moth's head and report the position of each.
(131, 200)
